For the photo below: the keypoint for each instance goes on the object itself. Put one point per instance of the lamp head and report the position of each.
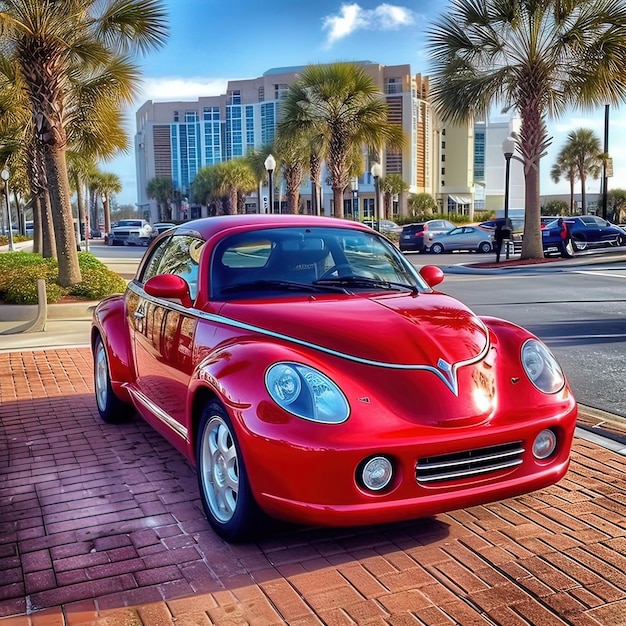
(508, 147)
(376, 170)
(270, 163)
(5, 174)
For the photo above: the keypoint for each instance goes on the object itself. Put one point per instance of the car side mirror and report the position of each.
(169, 287)
(432, 274)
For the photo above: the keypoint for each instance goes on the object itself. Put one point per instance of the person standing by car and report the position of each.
(504, 228)
(565, 245)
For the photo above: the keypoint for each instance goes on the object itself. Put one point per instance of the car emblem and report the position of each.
(448, 375)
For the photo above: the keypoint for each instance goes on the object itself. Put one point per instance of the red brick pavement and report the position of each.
(101, 524)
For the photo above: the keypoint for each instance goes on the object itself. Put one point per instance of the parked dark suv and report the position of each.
(416, 237)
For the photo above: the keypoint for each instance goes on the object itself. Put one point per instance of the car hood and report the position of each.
(390, 329)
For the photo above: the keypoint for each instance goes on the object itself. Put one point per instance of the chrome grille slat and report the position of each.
(469, 463)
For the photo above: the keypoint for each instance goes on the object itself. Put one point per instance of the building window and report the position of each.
(280, 91)
(234, 96)
(443, 145)
(443, 183)
(261, 93)
(393, 85)
(176, 116)
(443, 171)
(443, 158)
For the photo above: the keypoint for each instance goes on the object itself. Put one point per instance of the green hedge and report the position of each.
(19, 272)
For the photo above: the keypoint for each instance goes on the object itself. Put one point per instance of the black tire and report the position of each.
(225, 491)
(567, 249)
(436, 248)
(484, 247)
(112, 410)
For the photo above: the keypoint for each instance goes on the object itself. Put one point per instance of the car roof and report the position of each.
(207, 227)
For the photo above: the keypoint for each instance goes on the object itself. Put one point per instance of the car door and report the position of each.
(163, 333)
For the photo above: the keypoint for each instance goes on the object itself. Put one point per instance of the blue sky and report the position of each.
(212, 41)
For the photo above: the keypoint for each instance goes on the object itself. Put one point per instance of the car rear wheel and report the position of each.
(112, 410)
(485, 246)
(224, 488)
(436, 248)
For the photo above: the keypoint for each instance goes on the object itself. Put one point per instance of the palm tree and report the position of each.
(585, 153)
(421, 203)
(341, 103)
(54, 43)
(391, 185)
(235, 178)
(292, 158)
(539, 58)
(160, 189)
(109, 184)
(565, 167)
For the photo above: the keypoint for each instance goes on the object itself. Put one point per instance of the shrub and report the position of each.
(23, 286)
(97, 283)
(19, 272)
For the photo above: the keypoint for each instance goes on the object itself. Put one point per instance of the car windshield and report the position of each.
(129, 223)
(259, 263)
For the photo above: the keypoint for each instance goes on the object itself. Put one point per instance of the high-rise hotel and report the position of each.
(175, 139)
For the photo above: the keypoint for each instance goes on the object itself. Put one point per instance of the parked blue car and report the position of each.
(584, 231)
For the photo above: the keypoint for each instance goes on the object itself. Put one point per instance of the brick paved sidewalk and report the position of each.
(102, 524)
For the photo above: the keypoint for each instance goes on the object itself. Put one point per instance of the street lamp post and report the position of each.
(376, 171)
(354, 185)
(508, 148)
(5, 177)
(270, 166)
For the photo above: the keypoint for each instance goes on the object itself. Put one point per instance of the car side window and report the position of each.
(178, 255)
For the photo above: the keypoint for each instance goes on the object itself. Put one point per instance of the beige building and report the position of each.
(177, 138)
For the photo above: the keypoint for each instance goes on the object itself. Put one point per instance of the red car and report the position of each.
(313, 375)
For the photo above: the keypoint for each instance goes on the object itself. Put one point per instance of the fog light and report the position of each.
(377, 473)
(544, 445)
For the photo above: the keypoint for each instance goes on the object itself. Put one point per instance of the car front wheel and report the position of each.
(112, 410)
(485, 246)
(224, 488)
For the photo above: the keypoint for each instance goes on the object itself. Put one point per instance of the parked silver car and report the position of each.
(470, 238)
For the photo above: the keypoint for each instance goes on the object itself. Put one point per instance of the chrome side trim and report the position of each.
(159, 413)
(447, 375)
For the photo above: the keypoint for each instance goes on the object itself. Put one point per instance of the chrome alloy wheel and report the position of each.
(220, 469)
(101, 377)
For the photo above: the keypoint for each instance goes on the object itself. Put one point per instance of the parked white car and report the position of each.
(130, 233)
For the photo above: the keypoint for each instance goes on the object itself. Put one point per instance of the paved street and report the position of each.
(102, 524)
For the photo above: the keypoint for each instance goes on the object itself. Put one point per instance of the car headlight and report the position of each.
(306, 393)
(541, 367)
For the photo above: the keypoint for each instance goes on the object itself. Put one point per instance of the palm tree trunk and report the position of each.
(48, 238)
(571, 196)
(532, 245)
(338, 201)
(583, 193)
(61, 208)
(37, 237)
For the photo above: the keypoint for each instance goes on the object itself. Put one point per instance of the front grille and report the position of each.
(469, 463)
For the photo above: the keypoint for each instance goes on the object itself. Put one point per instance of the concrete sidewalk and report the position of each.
(102, 524)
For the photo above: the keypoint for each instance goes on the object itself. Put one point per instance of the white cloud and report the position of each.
(353, 17)
(176, 88)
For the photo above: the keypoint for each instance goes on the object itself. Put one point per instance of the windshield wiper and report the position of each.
(363, 281)
(282, 284)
